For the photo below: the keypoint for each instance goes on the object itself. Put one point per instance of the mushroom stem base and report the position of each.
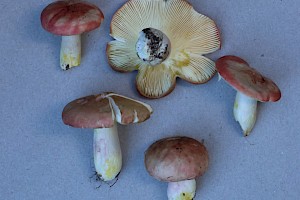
(107, 153)
(70, 52)
(182, 190)
(245, 112)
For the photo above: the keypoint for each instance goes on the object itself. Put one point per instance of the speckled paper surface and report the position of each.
(41, 158)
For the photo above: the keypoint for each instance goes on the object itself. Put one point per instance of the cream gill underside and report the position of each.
(191, 36)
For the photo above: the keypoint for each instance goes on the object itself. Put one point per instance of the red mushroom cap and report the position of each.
(71, 17)
(100, 111)
(89, 112)
(247, 80)
(176, 159)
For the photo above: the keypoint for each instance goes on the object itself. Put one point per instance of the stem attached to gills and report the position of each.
(245, 112)
(182, 190)
(70, 52)
(107, 153)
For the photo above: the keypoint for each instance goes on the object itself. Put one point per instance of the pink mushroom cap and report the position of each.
(101, 111)
(247, 80)
(88, 112)
(71, 17)
(176, 159)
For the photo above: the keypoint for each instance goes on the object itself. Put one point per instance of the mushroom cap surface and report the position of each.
(100, 111)
(247, 80)
(71, 17)
(176, 159)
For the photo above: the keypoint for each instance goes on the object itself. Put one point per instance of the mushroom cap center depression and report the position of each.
(153, 46)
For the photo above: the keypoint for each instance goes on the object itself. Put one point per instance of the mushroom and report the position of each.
(251, 87)
(177, 160)
(70, 19)
(102, 112)
(163, 40)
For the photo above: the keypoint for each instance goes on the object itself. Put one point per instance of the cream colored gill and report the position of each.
(187, 30)
(136, 15)
(155, 81)
(177, 19)
(123, 56)
(199, 69)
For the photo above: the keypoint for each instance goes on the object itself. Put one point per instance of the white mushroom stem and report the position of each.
(152, 46)
(107, 153)
(70, 52)
(182, 190)
(245, 112)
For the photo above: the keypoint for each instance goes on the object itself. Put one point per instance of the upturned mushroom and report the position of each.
(101, 113)
(70, 19)
(251, 87)
(163, 40)
(177, 160)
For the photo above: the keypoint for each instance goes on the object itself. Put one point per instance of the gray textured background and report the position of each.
(41, 158)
